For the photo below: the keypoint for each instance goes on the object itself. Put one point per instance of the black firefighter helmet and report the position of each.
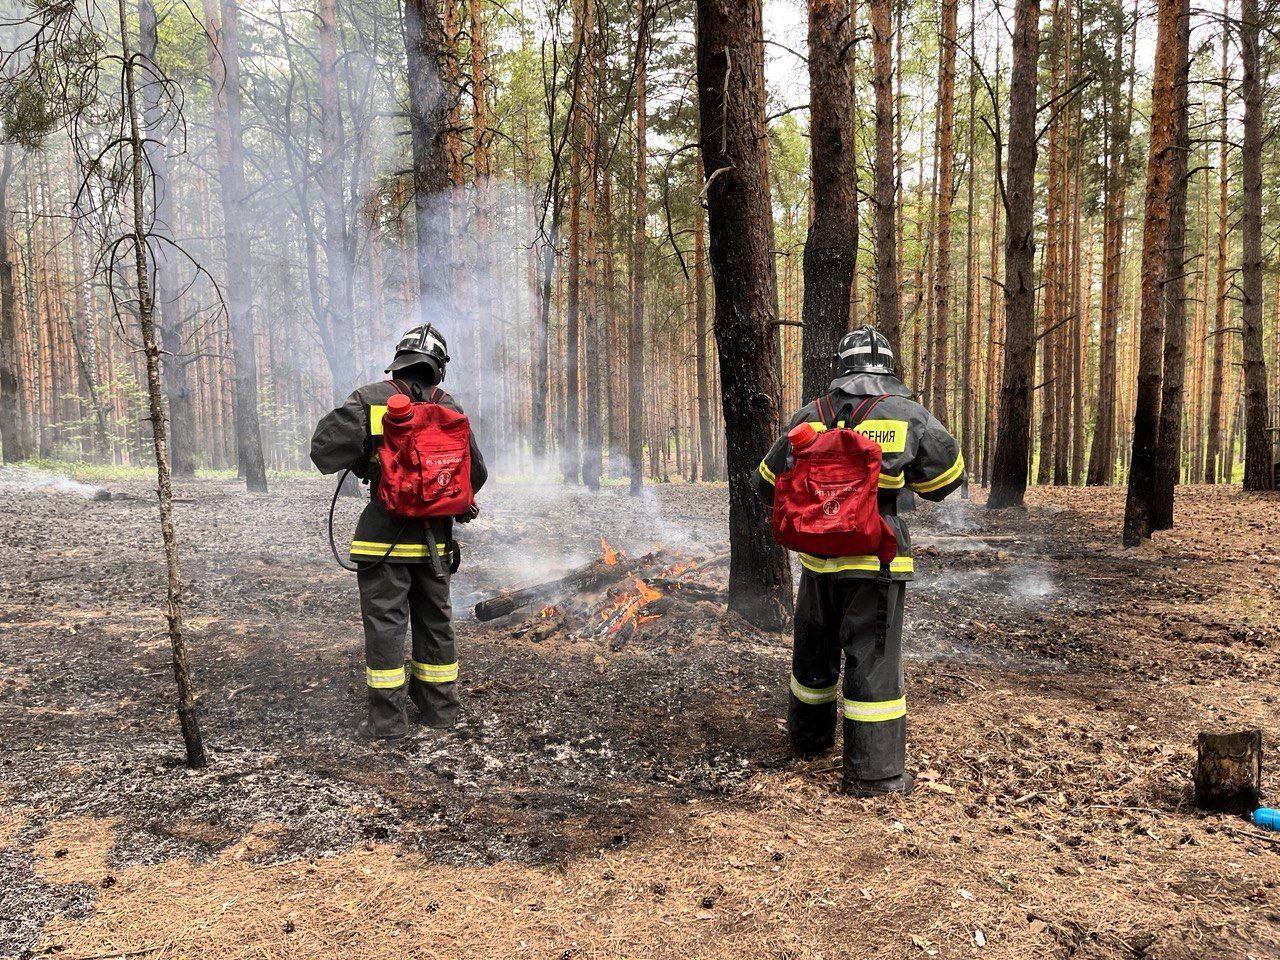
(422, 344)
(865, 350)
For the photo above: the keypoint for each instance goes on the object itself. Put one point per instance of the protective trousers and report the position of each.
(394, 596)
(837, 615)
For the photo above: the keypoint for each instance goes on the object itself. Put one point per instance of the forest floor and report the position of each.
(627, 792)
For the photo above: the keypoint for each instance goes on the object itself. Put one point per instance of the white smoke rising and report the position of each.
(25, 479)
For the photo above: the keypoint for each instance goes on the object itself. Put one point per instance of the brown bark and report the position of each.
(188, 719)
(731, 98)
(635, 328)
(1169, 430)
(888, 282)
(1155, 256)
(1009, 463)
(1213, 428)
(12, 437)
(1228, 775)
(941, 336)
(224, 71)
(829, 249)
(1102, 455)
(1257, 443)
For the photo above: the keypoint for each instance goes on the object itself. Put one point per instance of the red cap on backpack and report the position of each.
(398, 406)
(802, 435)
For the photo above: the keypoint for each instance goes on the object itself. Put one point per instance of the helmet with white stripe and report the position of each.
(864, 351)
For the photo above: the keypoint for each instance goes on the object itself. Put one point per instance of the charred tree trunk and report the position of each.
(12, 437)
(224, 71)
(1169, 433)
(888, 285)
(635, 329)
(1257, 443)
(168, 306)
(730, 75)
(941, 336)
(188, 719)
(1155, 256)
(1009, 464)
(829, 250)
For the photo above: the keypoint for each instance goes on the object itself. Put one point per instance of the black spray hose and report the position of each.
(355, 568)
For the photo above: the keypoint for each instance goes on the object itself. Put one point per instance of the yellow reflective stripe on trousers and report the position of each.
(813, 695)
(384, 679)
(875, 711)
(869, 564)
(768, 474)
(373, 548)
(434, 672)
(949, 475)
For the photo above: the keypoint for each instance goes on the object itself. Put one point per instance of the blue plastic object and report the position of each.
(1268, 818)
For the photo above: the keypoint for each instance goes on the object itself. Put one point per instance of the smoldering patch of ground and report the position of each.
(570, 746)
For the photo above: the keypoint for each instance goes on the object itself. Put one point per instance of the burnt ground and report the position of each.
(627, 794)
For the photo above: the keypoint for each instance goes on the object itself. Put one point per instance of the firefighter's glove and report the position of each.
(470, 514)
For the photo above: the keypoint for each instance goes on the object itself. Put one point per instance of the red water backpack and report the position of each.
(825, 503)
(426, 459)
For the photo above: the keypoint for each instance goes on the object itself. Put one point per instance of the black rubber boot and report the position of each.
(904, 783)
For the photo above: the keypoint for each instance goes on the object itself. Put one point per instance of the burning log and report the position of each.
(598, 573)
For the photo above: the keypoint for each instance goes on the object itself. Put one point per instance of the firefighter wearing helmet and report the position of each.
(850, 606)
(403, 564)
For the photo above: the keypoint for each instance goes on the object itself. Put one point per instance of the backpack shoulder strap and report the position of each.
(436, 395)
(864, 409)
(400, 387)
(826, 410)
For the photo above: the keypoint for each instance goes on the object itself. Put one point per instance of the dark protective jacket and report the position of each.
(918, 453)
(348, 438)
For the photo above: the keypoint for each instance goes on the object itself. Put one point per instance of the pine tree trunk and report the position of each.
(635, 329)
(12, 439)
(340, 338)
(831, 242)
(705, 377)
(1013, 434)
(1213, 428)
(188, 718)
(888, 282)
(591, 451)
(1257, 442)
(1155, 239)
(1169, 432)
(224, 71)
(731, 99)
(941, 336)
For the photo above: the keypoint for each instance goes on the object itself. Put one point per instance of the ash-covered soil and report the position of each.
(1055, 683)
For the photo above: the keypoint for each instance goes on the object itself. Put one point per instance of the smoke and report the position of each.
(25, 479)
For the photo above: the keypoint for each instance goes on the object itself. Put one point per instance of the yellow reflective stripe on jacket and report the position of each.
(768, 474)
(949, 475)
(875, 711)
(812, 694)
(818, 426)
(376, 412)
(870, 564)
(892, 481)
(434, 672)
(373, 548)
(384, 679)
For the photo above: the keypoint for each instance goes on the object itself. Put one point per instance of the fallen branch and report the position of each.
(592, 576)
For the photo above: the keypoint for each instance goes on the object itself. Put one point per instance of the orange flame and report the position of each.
(550, 610)
(610, 554)
(627, 608)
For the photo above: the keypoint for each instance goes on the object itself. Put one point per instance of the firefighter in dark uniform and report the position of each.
(404, 565)
(853, 605)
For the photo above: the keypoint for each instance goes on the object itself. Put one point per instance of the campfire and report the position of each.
(614, 597)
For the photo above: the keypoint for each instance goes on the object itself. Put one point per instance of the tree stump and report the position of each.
(1228, 771)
